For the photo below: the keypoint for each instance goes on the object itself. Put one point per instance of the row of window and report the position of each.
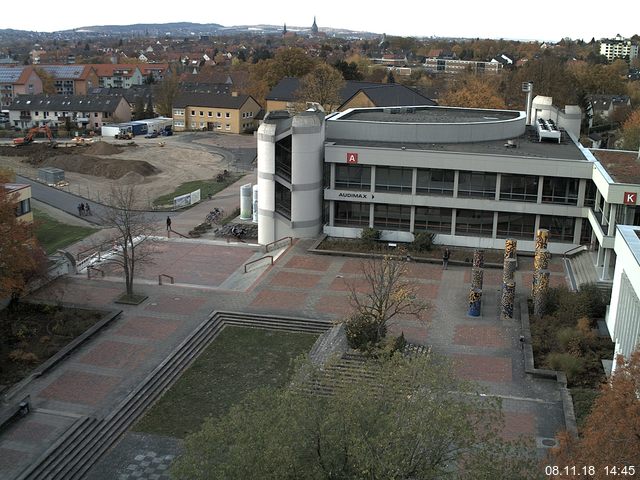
(519, 188)
(477, 223)
(180, 113)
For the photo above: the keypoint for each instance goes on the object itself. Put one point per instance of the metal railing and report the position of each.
(171, 230)
(171, 280)
(574, 250)
(268, 245)
(270, 257)
(89, 268)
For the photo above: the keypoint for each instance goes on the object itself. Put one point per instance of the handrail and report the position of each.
(577, 249)
(171, 230)
(165, 275)
(257, 260)
(91, 267)
(93, 249)
(266, 247)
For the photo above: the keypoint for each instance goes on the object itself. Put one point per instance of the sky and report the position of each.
(515, 19)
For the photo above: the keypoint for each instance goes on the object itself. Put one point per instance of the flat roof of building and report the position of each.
(14, 187)
(622, 166)
(427, 114)
(631, 236)
(526, 145)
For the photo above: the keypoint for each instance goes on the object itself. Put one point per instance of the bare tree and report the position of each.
(322, 85)
(387, 294)
(132, 230)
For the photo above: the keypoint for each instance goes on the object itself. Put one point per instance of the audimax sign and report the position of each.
(354, 195)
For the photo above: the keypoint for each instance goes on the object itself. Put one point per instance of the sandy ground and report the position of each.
(182, 158)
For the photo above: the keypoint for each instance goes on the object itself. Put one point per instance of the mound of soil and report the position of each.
(101, 167)
(35, 153)
(102, 148)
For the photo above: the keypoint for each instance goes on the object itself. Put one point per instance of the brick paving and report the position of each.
(95, 378)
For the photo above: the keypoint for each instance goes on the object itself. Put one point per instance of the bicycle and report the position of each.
(215, 215)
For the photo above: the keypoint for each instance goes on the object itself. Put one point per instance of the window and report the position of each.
(96, 125)
(353, 177)
(209, 114)
(227, 115)
(283, 201)
(36, 113)
(203, 124)
(560, 228)
(477, 184)
(394, 179)
(563, 191)
(516, 225)
(351, 214)
(435, 182)
(227, 127)
(23, 207)
(392, 217)
(218, 115)
(193, 113)
(178, 123)
(95, 114)
(433, 219)
(283, 158)
(519, 188)
(476, 223)
(201, 113)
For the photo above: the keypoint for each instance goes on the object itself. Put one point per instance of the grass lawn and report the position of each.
(207, 187)
(237, 361)
(54, 235)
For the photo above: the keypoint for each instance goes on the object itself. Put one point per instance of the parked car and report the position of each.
(153, 134)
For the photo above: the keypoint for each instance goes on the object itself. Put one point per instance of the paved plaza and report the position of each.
(210, 276)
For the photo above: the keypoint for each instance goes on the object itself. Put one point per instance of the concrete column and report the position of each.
(613, 209)
(582, 190)
(371, 215)
(600, 256)
(536, 225)
(605, 213)
(332, 177)
(373, 179)
(412, 223)
(453, 217)
(456, 180)
(414, 182)
(494, 230)
(606, 264)
(540, 186)
(577, 231)
(596, 205)
(498, 183)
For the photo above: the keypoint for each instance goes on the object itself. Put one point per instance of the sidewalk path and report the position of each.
(94, 379)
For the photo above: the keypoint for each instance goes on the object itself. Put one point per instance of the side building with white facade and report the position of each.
(623, 318)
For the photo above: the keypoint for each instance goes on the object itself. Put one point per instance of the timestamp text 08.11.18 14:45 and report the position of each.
(575, 471)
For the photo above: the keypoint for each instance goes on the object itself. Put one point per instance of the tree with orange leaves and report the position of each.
(20, 256)
(472, 91)
(611, 433)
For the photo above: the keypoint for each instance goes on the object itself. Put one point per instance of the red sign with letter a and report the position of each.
(630, 198)
(352, 158)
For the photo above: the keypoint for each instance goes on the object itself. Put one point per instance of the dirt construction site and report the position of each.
(155, 166)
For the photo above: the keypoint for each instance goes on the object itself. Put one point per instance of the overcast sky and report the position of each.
(515, 19)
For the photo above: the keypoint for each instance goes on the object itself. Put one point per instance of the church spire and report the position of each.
(284, 30)
(314, 27)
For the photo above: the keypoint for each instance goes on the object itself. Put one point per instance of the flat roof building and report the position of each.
(474, 177)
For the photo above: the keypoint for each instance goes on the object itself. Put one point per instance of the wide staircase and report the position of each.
(582, 271)
(82, 445)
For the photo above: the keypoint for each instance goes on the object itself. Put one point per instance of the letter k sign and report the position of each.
(630, 198)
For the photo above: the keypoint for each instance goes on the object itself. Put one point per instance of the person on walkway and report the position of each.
(87, 208)
(445, 258)
(168, 224)
(81, 209)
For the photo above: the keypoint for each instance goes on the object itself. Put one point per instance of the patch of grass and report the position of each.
(54, 235)
(207, 187)
(238, 361)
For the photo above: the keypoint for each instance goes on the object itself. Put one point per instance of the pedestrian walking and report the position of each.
(81, 209)
(87, 209)
(168, 224)
(445, 258)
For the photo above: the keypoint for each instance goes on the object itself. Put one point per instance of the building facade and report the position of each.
(70, 79)
(451, 65)
(618, 47)
(76, 111)
(223, 113)
(472, 177)
(623, 317)
(16, 81)
(21, 196)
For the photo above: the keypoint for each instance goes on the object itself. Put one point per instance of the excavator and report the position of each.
(28, 138)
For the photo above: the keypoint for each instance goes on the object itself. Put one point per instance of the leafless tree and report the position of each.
(131, 232)
(387, 293)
